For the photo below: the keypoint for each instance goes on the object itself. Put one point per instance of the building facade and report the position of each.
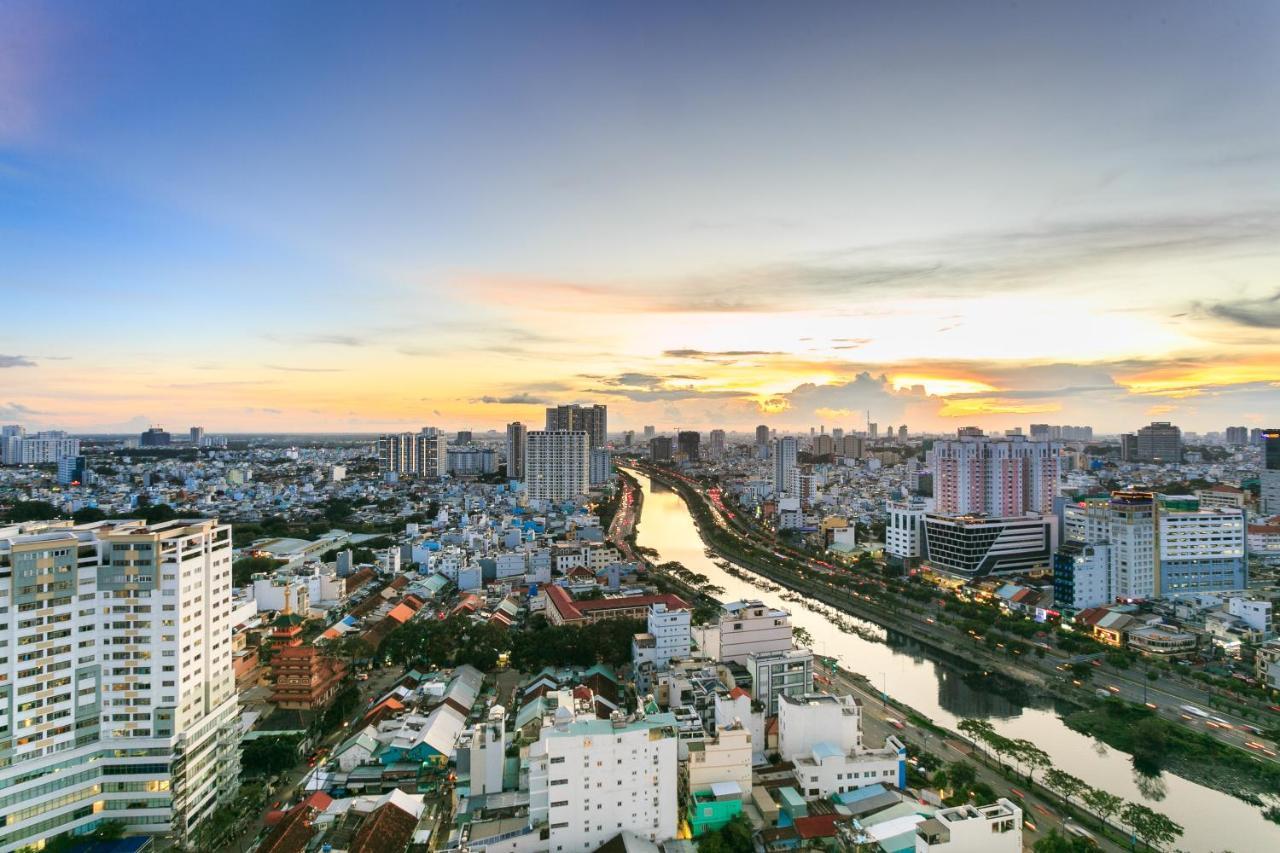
(593, 420)
(421, 454)
(557, 465)
(515, 450)
(975, 474)
(974, 546)
(120, 683)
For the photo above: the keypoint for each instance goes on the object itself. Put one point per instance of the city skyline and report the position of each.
(329, 219)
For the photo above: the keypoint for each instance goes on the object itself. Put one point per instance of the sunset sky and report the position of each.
(332, 217)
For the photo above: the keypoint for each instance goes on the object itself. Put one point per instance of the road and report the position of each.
(1042, 812)
(1166, 694)
(624, 520)
(289, 790)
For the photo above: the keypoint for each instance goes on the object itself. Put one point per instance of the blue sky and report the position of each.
(356, 216)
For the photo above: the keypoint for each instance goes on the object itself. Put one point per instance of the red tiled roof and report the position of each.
(738, 693)
(571, 610)
(389, 828)
(817, 826)
(292, 833)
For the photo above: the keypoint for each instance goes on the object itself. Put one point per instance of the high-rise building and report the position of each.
(557, 464)
(601, 466)
(837, 433)
(873, 429)
(1160, 441)
(515, 450)
(660, 448)
(715, 444)
(593, 420)
(155, 437)
(981, 475)
(72, 470)
(464, 436)
(689, 444)
(1237, 436)
(785, 450)
(649, 431)
(762, 435)
(1160, 546)
(422, 454)
(902, 433)
(197, 436)
(823, 445)
(1270, 475)
(975, 546)
(1082, 575)
(471, 461)
(42, 448)
(850, 447)
(129, 712)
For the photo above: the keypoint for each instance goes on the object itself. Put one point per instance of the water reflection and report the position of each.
(937, 688)
(1152, 787)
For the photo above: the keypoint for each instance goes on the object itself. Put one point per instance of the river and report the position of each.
(1213, 821)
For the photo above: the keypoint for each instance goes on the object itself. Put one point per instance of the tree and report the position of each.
(1031, 755)
(1064, 783)
(1103, 803)
(979, 731)
(733, 837)
(802, 637)
(1149, 825)
(88, 515)
(243, 569)
(33, 511)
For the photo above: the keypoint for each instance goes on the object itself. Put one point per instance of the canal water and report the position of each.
(1213, 821)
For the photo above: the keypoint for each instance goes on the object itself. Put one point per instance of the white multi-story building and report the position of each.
(975, 546)
(1163, 546)
(902, 529)
(744, 628)
(590, 780)
(974, 474)
(996, 828)
(1082, 575)
(821, 735)
(422, 454)
(666, 638)
(122, 703)
(601, 466)
(777, 674)
(557, 464)
(43, 448)
(784, 462)
(727, 757)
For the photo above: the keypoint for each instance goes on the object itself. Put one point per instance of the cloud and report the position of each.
(988, 262)
(304, 369)
(521, 399)
(17, 412)
(649, 395)
(16, 361)
(1263, 313)
(717, 355)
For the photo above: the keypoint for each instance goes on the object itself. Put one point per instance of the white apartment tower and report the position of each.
(557, 464)
(745, 628)
(122, 702)
(422, 454)
(590, 780)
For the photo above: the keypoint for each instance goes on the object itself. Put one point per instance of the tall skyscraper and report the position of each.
(873, 429)
(762, 435)
(557, 464)
(1271, 471)
(837, 433)
(980, 475)
(660, 448)
(689, 443)
(1161, 441)
(197, 436)
(128, 712)
(515, 450)
(601, 466)
(823, 445)
(649, 431)
(902, 433)
(715, 444)
(422, 454)
(784, 462)
(593, 420)
(1237, 436)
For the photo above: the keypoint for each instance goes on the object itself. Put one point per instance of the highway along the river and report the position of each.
(911, 674)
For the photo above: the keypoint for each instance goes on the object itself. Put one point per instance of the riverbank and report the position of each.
(1011, 679)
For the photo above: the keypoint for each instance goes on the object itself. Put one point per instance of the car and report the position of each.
(1113, 688)
(1153, 706)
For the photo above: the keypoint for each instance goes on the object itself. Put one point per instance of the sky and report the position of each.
(341, 217)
